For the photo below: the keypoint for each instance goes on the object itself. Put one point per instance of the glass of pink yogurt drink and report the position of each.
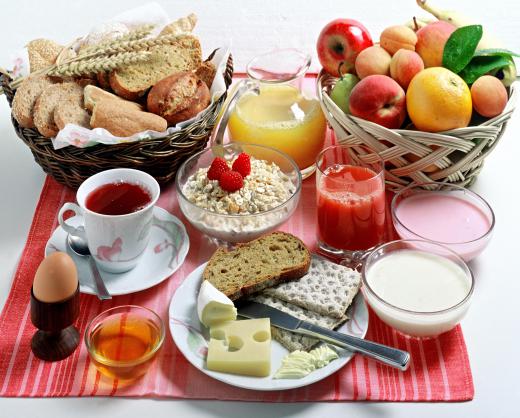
(444, 213)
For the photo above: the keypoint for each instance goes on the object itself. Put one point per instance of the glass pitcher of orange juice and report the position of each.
(270, 108)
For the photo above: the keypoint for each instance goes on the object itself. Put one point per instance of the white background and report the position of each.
(491, 328)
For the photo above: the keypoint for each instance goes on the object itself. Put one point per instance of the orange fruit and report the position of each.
(438, 100)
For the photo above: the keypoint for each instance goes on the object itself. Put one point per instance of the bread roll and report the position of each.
(178, 97)
(42, 53)
(93, 94)
(124, 121)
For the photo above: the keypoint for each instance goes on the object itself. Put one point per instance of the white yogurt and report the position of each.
(424, 283)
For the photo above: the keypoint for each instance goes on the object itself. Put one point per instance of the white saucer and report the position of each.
(168, 247)
(192, 340)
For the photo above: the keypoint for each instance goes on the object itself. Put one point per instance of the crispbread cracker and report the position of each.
(293, 341)
(328, 288)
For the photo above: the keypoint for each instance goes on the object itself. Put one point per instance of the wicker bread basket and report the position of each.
(159, 157)
(456, 157)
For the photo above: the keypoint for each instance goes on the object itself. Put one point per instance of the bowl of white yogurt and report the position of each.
(420, 288)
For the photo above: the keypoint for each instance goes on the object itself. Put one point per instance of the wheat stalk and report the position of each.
(126, 50)
(137, 34)
(99, 64)
(118, 47)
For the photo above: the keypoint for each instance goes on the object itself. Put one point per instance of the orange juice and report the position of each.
(282, 118)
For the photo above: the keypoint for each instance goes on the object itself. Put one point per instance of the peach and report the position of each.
(489, 96)
(404, 65)
(379, 99)
(431, 40)
(373, 60)
(398, 37)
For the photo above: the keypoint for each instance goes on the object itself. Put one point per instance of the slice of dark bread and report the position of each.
(265, 262)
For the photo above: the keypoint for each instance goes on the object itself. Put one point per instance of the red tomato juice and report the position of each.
(351, 208)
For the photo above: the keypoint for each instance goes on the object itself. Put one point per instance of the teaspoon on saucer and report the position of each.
(77, 242)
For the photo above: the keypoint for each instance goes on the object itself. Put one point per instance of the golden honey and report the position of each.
(124, 344)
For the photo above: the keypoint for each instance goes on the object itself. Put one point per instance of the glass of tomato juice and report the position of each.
(351, 201)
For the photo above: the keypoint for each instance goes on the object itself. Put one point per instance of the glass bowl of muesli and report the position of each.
(259, 192)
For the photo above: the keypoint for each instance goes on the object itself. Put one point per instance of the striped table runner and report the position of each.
(439, 372)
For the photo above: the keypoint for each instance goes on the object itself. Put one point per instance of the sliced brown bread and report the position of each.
(124, 121)
(42, 53)
(46, 105)
(25, 98)
(103, 80)
(93, 94)
(206, 72)
(265, 262)
(71, 111)
(133, 81)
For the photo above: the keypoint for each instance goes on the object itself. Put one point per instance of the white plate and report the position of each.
(168, 247)
(191, 337)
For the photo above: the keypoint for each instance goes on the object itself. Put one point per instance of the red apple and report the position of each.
(341, 41)
(379, 99)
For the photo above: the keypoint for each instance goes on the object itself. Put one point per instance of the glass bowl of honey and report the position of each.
(123, 341)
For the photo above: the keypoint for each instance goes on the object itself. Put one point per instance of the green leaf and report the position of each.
(460, 47)
(482, 65)
(496, 52)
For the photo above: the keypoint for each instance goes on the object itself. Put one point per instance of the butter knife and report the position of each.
(388, 355)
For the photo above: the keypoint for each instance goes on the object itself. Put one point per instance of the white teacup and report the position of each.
(116, 242)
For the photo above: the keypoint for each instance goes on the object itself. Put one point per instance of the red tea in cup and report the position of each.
(119, 198)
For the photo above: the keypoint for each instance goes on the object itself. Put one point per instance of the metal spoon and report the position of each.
(79, 245)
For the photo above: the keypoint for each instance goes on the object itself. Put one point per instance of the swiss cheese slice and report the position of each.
(213, 306)
(241, 347)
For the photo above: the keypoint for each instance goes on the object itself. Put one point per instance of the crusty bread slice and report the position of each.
(46, 105)
(93, 94)
(274, 258)
(327, 289)
(103, 80)
(71, 111)
(206, 72)
(42, 53)
(132, 81)
(124, 121)
(25, 98)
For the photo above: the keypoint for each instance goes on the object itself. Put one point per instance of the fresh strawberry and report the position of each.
(231, 181)
(243, 164)
(218, 166)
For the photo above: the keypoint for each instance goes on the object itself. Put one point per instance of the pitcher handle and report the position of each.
(243, 86)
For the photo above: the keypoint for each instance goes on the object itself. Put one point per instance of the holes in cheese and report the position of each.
(244, 349)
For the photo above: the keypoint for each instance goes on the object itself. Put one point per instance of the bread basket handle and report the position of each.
(242, 87)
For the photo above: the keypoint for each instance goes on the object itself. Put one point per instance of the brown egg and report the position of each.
(56, 278)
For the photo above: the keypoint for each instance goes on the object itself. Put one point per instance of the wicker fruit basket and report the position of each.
(413, 156)
(159, 157)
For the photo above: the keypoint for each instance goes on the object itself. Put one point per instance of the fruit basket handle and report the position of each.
(242, 87)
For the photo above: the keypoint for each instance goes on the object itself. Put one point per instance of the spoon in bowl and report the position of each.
(79, 245)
